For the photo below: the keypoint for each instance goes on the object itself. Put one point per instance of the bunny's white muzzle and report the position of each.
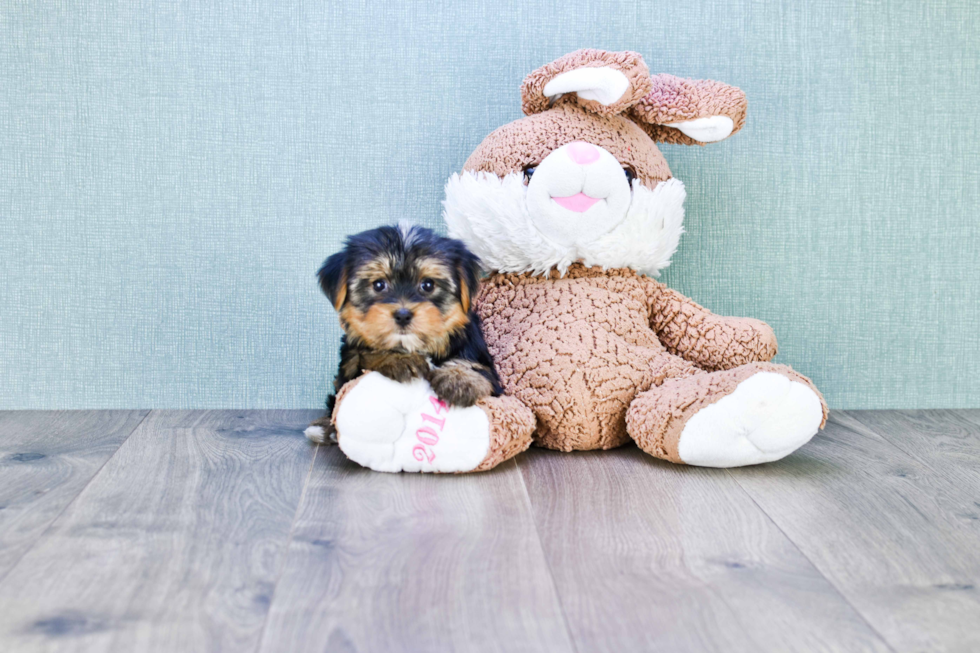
(577, 194)
(547, 225)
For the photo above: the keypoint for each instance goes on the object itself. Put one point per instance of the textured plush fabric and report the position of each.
(511, 429)
(511, 426)
(533, 99)
(713, 342)
(657, 417)
(173, 173)
(576, 343)
(525, 142)
(673, 99)
(577, 349)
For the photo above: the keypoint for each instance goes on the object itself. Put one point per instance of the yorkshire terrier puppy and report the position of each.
(404, 299)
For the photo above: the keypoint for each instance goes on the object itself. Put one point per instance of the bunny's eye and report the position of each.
(528, 173)
(630, 174)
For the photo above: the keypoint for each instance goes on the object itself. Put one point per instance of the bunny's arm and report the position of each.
(712, 342)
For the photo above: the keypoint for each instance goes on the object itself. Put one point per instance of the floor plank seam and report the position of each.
(544, 556)
(289, 543)
(884, 438)
(80, 492)
(967, 414)
(837, 589)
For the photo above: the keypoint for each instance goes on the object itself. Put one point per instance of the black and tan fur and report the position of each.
(429, 281)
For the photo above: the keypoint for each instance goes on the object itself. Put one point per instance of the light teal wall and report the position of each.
(172, 173)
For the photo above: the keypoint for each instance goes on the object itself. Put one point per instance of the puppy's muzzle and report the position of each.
(402, 317)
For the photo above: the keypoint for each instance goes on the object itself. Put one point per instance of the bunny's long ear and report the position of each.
(603, 82)
(690, 111)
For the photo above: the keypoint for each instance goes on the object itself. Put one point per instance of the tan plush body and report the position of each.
(601, 357)
(574, 209)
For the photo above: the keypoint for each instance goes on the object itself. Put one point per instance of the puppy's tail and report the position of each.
(321, 431)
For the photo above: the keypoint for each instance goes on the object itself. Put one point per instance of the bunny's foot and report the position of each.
(756, 413)
(404, 427)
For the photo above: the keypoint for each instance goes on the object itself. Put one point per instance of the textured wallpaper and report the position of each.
(172, 173)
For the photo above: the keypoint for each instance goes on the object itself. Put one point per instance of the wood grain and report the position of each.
(900, 539)
(948, 441)
(46, 458)
(971, 415)
(194, 533)
(400, 562)
(652, 556)
(174, 546)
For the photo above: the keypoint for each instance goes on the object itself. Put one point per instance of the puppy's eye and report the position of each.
(630, 174)
(427, 285)
(528, 173)
(380, 285)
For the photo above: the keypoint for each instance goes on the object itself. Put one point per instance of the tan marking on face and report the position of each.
(341, 295)
(374, 328)
(464, 293)
(451, 323)
(429, 325)
(430, 268)
(429, 331)
(435, 329)
(379, 268)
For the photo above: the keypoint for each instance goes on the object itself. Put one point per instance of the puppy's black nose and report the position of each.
(402, 317)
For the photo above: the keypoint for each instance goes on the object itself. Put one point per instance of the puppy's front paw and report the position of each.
(396, 366)
(459, 384)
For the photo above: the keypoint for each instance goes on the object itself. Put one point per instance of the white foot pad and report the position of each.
(403, 427)
(766, 418)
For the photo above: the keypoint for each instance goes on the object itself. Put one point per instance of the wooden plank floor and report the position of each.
(227, 531)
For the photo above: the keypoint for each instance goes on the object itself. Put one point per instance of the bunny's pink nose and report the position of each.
(583, 153)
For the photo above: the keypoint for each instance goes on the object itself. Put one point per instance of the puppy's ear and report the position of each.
(690, 111)
(468, 274)
(602, 82)
(333, 279)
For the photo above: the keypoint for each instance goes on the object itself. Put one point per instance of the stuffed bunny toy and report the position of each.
(574, 210)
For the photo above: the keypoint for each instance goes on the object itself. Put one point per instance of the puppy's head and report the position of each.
(402, 288)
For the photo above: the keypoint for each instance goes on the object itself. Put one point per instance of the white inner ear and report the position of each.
(706, 130)
(604, 85)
